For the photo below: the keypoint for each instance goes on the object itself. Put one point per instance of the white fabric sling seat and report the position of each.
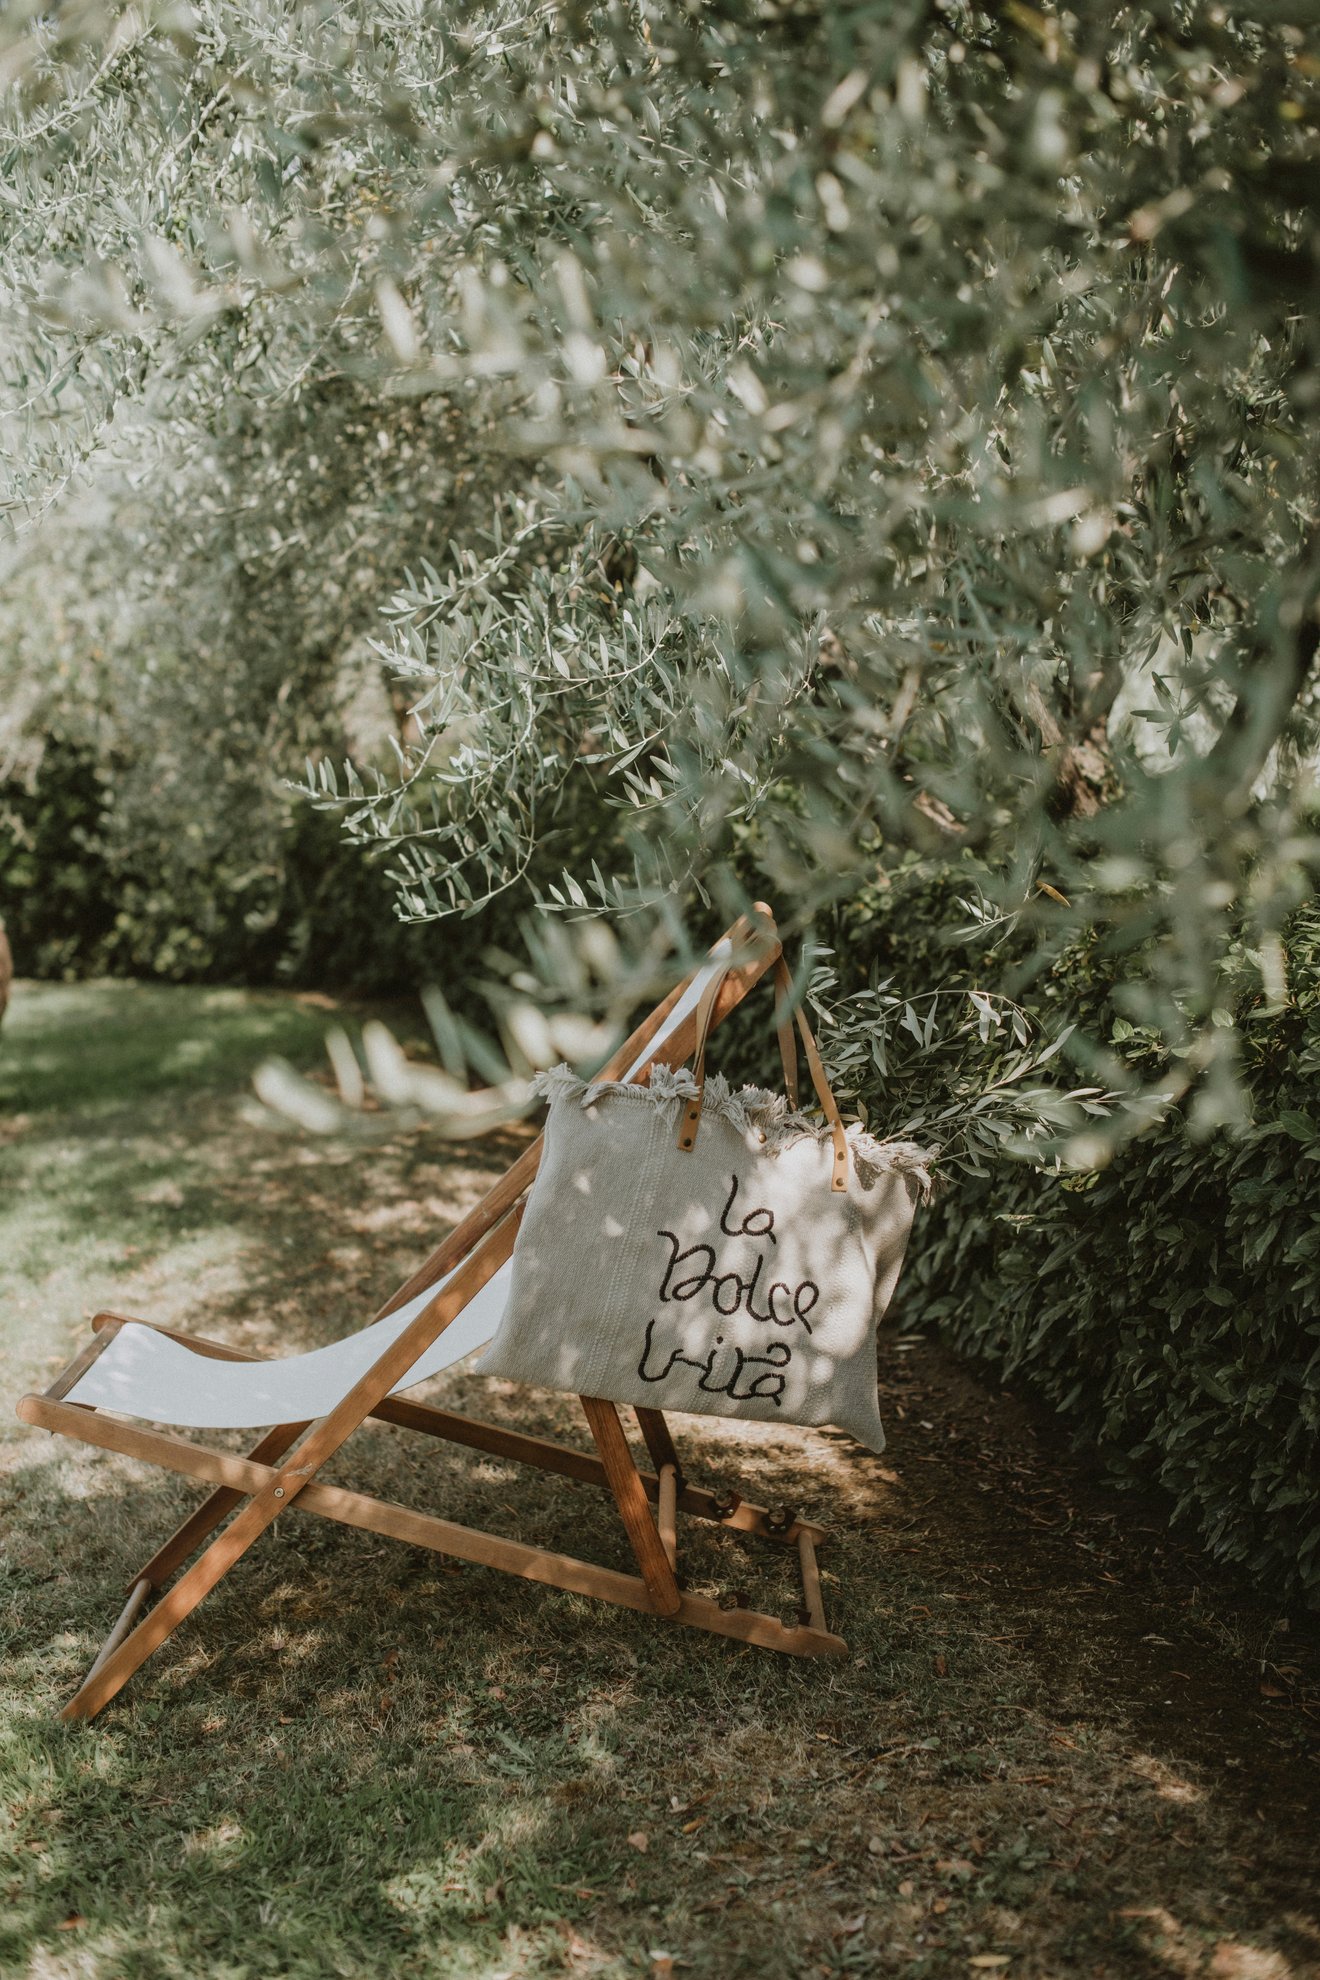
(149, 1374)
(134, 1374)
(153, 1376)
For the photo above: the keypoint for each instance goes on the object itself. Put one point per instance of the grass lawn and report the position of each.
(1062, 1745)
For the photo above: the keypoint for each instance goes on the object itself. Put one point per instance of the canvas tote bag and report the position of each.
(689, 1247)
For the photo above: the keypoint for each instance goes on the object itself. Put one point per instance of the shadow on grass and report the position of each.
(1049, 1749)
(358, 1756)
(83, 1046)
(140, 1175)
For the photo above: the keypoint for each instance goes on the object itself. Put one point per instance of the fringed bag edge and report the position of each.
(750, 1109)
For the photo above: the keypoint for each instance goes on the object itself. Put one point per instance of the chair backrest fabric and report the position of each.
(146, 1374)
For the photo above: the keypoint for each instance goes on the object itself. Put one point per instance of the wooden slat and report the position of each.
(813, 1601)
(69, 1377)
(667, 1518)
(655, 1435)
(417, 1529)
(137, 1595)
(496, 1439)
(161, 1447)
(634, 1508)
(216, 1508)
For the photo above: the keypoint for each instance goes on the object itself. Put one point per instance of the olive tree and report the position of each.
(899, 431)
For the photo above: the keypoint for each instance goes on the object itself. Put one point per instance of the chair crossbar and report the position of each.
(400, 1522)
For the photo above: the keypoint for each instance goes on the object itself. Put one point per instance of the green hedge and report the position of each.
(1168, 1306)
(273, 895)
(287, 901)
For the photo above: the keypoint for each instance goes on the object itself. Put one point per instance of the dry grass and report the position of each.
(1060, 1746)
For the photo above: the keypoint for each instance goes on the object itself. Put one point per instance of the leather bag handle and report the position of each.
(691, 1116)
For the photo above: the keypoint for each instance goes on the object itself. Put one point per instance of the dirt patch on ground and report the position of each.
(1125, 1621)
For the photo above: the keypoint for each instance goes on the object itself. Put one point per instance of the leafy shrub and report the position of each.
(291, 903)
(278, 895)
(1169, 1304)
(57, 909)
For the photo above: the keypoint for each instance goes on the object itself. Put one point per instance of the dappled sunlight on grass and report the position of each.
(138, 1039)
(1048, 1748)
(1167, 1782)
(1181, 1950)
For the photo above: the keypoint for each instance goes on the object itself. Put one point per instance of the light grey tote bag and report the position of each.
(688, 1247)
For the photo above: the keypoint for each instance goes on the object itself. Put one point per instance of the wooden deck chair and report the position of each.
(133, 1370)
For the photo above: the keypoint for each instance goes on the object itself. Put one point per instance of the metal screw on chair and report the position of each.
(778, 1519)
(733, 1598)
(726, 1504)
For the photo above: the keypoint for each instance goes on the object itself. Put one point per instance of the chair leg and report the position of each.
(655, 1434)
(137, 1595)
(101, 1684)
(182, 1542)
(624, 1481)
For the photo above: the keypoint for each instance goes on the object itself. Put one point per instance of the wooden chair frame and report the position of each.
(284, 1468)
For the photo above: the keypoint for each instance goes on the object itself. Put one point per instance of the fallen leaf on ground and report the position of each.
(639, 1840)
(955, 1866)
